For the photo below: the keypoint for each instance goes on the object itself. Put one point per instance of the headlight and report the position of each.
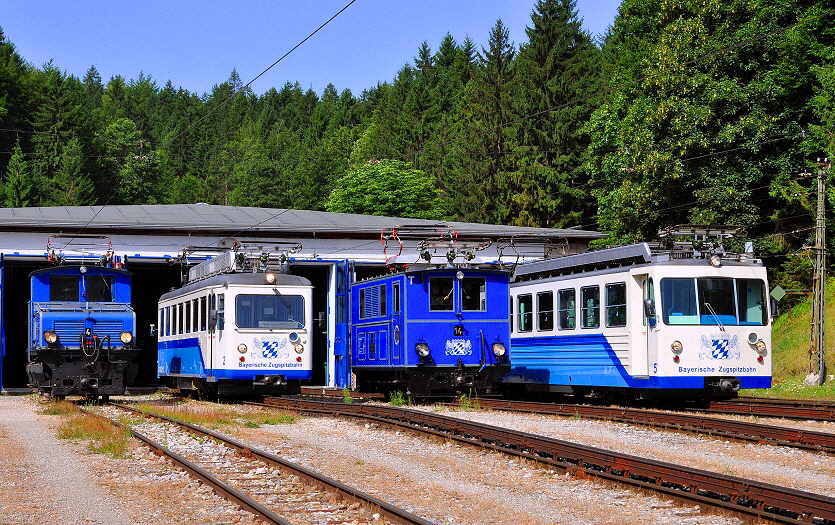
(50, 336)
(126, 337)
(761, 349)
(499, 349)
(716, 261)
(242, 348)
(269, 277)
(676, 347)
(298, 347)
(422, 349)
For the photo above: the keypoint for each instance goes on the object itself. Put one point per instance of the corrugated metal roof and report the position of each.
(238, 220)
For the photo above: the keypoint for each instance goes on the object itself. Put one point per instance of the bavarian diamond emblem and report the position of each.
(270, 349)
(459, 347)
(719, 346)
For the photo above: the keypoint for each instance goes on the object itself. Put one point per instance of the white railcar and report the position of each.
(236, 332)
(642, 320)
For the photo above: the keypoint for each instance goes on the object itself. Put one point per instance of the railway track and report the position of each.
(740, 430)
(742, 496)
(787, 409)
(276, 490)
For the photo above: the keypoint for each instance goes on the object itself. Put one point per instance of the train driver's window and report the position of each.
(545, 311)
(98, 289)
(567, 309)
(525, 303)
(440, 293)
(395, 297)
(161, 321)
(510, 310)
(590, 306)
(473, 294)
(63, 288)
(616, 305)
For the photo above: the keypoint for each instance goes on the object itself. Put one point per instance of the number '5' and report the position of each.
(654, 368)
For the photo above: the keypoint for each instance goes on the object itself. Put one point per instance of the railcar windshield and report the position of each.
(713, 301)
(269, 311)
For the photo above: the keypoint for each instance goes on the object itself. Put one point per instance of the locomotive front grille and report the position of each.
(70, 331)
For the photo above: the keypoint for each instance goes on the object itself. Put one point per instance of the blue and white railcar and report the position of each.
(636, 319)
(82, 331)
(235, 329)
(430, 332)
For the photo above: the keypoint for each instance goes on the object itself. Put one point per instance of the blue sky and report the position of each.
(197, 43)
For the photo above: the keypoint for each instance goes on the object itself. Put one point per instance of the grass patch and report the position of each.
(59, 408)
(102, 436)
(215, 416)
(791, 336)
(471, 402)
(398, 399)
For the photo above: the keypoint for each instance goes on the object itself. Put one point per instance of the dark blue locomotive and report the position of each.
(81, 331)
(430, 332)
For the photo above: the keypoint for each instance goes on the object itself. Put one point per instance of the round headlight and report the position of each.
(422, 349)
(716, 261)
(298, 347)
(242, 348)
(676, 347)
(50, 336)
(126, 337)
(269, 277)
(761, 349)
(499, 349)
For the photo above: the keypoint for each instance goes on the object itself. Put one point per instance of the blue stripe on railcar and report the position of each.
(183, 357)
(589, 360)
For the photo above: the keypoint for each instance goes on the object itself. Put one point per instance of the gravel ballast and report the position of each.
(435, 478)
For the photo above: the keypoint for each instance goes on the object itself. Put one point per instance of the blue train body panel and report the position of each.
(457, 315)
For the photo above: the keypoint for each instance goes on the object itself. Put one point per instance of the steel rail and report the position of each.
(743, 496)
(788, 409)
(741, 430)
(221, 488)
(391, 512)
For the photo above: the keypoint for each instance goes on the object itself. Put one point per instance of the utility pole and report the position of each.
(817, 351)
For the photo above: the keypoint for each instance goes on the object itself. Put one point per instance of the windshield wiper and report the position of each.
(713, 313)
(281, 298)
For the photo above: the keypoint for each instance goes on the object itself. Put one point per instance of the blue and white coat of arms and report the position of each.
(719, 347)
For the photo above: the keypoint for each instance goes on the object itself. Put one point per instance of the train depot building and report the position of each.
(159, 243)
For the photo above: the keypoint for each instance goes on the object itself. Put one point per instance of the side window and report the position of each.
(567, 309)
(161, 321)
(440, 293)
(616, 304)
(525, 303)
(195, 311)
(395, 297)
(221, 306)
(167, 320)
(545, 311)
(187, 317)
(203, 311)
(362, 303)
(590, 306)
(180, 323)
(383, 312)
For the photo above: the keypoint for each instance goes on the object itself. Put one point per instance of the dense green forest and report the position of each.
(686, 111)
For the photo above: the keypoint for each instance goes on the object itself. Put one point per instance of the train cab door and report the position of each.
(640, 326)
(396, 325)
(343, 270)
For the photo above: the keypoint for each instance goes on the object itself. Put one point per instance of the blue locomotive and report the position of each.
(430, 332)
(81, 330)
